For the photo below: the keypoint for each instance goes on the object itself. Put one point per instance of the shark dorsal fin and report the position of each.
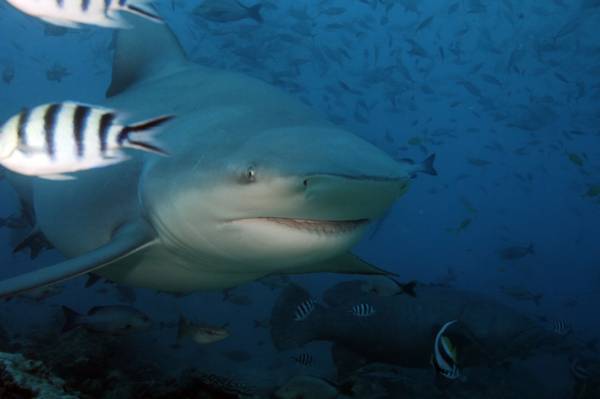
(145, 51)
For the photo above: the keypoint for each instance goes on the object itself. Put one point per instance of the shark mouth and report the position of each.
(313, 225)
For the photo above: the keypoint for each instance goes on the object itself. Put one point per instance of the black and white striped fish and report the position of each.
(52, 140)
(561, 327)
(444, 358)
(72, 13)
(305, 359)
(363, 310)
(304, 310)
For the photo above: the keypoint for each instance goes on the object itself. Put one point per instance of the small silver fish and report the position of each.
(200, 333)
(304, 310)
(114, 319)
(227, 11)
(73, 13)
(53, 139)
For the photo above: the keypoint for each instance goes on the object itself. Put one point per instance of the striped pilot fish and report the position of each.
(52, 140)
(561, 327)
(73, 13)
(304, 359)
(444, 358)
(304, 310)
(363, 310)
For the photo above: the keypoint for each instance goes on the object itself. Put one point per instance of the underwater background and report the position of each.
(505, 93)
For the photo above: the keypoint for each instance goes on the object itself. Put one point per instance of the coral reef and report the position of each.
(22, 378)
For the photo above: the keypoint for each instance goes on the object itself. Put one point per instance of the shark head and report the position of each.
(275, 199)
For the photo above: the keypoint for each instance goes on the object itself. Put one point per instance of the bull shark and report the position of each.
(256, 183)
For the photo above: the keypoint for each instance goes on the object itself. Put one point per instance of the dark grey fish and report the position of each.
(227, 11)
(8, 74)
(516, 252)
(114, 319)
(403, 328)
(36, 242)
(425, 166)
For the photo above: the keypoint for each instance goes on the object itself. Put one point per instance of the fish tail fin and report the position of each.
(144, 10)
(530, 249)
(409, 288)
(71, 319)
(182, 326)
(143, 127)
(146, 126)
(287, 333)
(427, 166)
(254, 13)
(91, 280)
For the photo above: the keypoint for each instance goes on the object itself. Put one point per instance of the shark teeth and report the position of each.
(316, 226)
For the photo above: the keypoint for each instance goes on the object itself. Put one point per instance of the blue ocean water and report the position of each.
(504, 93)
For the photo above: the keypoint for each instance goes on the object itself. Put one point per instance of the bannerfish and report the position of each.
(73, 13)
(53, 139)
(200, 333)
(227, 11)
(444, 355)
(579, 370)
(113, 319)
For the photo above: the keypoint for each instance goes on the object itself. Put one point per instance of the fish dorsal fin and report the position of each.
(94, 310)
(145, 51)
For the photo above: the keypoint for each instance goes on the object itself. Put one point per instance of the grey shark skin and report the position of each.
(256, 183)
(402, 329)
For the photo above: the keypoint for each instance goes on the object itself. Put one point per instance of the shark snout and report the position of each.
(342, 197)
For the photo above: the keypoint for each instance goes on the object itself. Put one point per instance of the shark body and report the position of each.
(256, 183)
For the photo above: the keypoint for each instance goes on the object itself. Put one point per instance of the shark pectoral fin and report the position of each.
(127, 240)
(345, 264)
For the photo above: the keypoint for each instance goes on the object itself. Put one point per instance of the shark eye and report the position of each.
(250, 174)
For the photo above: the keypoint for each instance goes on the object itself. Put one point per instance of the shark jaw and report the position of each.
(311, 226)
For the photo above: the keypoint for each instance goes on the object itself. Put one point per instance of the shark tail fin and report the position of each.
(427, 166)
(287, 332)
(254, 13)
(71, 319)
